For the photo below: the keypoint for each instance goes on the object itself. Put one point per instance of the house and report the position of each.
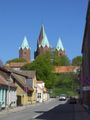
(7, 91)
(42, 94)
(85, 67)
(26, 86)
(25, 82)
(15, 65)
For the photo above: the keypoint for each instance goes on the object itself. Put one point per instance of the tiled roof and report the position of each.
(4, 82)
(20, 76)
(25, 73)
(39, 81)
(15, 64)
(21, 80)
(65, 69)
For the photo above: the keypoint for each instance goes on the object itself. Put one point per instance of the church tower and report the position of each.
(24, 51)
(42, 43)
(59, 48)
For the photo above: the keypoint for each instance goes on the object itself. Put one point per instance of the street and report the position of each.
(51, 110)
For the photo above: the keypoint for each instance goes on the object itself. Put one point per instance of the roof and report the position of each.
(4, 82)
(65, 69)
(25, 44)
(25, 73)
(59, 45)
(43, 40)
(39, 81)
(21, 77)
(21, 80)
(15, 64)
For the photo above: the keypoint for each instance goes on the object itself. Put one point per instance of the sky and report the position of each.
(61, 18)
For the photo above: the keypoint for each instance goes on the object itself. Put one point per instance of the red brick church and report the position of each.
(44, 46)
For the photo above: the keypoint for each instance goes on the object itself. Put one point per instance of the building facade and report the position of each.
(8, 96)
(85, 67)
(26, 86)
(42, 93)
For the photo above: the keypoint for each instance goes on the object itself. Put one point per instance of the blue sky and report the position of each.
(61, 18)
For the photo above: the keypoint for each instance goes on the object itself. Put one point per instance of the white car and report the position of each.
(63, 97)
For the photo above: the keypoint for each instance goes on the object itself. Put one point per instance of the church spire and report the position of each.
(59, 45)
(24, 51)
(43, 40)
(25, 44)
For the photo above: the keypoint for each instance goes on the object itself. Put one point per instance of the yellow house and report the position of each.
(26, 86)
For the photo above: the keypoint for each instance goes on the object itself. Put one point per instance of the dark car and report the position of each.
(73, 100)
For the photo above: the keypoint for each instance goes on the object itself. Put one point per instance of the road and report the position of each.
(51, 110)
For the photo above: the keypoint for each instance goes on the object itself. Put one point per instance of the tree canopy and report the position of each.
(58, 83)
(43, 67)
(77, 61)
(16, 60)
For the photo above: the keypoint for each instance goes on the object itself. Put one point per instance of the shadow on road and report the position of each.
(65, 111)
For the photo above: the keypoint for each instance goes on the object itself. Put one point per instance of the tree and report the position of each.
(43, 67)
(16, 60)
(60, 60)
(77, 61)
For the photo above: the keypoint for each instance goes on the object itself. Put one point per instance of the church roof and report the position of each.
(25, 44)
(43, 40)
(59, 45)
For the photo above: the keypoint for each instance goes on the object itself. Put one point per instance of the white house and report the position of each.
(7, 89)
(42, 94)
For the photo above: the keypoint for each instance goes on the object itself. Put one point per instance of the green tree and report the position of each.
(16, 60)
(61, 60)
(43, 67)
(77, 61)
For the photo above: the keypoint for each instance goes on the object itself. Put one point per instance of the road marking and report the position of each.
(37, 115)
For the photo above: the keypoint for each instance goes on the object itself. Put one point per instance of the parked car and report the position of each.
(63, 97)
(73, 100)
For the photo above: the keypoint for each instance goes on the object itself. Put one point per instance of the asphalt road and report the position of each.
(51, 110)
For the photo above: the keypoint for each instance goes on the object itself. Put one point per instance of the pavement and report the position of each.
(20, 108)
(81, 113)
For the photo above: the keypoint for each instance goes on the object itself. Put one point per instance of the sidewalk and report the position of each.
(81, 113)
(20, 108)
(9, 110)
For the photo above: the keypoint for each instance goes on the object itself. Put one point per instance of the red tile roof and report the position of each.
(39, 81)
(65, 69)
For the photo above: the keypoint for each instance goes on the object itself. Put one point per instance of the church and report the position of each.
(42, 46)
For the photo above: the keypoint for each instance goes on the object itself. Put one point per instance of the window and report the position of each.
(39, 95)
(2, 94)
